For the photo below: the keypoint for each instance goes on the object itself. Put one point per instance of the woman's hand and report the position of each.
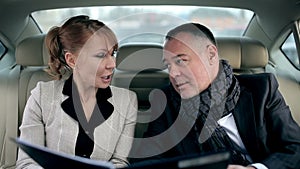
(239, 167)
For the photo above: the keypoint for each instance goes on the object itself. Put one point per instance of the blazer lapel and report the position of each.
(244, 117)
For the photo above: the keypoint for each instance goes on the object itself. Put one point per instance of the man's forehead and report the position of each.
(183, 37)
(178, 45)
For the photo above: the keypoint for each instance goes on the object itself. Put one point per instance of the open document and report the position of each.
(50, 159)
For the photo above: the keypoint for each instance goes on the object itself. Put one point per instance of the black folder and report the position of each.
(50, 159)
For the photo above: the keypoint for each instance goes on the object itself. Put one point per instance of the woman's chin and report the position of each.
(102, 86)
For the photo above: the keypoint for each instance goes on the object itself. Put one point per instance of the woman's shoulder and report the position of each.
(46, 87)
(50, 84)
(122, 92)
(115, 89)
(45, 90)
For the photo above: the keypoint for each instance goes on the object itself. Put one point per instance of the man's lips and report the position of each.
(180, 84)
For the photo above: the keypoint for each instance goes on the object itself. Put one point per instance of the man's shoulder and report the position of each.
(259, 80)
(257, 76)
(258, 84)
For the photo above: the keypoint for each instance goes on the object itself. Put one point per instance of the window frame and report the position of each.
(295, 31)
(4, 51)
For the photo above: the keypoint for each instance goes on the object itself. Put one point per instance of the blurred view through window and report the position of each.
(290, 50)
(150, 23)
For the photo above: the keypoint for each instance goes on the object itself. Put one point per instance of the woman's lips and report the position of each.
(107, 78)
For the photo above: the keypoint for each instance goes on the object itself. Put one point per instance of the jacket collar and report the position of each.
(72, 105)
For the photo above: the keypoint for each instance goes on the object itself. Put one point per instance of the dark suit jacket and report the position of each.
(263, 120)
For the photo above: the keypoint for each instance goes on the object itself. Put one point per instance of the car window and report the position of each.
(150, 23)
(290, 50)
(2, 50)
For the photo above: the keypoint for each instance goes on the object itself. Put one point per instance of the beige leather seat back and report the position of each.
(245, 55)
(290, 90)
(32, 55)
(16, 84)
(9, 116)
(140, 69)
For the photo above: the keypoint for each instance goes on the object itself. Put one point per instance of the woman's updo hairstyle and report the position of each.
(71, 37)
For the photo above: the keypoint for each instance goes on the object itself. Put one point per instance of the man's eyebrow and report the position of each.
(179, 55)
(174, 57)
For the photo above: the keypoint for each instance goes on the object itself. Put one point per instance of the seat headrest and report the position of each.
(32, 52)
(140, 57)
(242, 52)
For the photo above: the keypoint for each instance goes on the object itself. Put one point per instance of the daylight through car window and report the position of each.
(150, 23)
(290, 50)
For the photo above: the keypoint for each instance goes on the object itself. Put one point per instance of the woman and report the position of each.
(82, 115)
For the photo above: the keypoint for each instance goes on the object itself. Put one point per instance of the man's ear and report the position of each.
(213, 54)
(70, 59)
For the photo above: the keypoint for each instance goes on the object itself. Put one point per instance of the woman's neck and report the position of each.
(87, 98)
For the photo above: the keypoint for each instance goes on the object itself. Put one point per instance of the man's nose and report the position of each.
(174, 71)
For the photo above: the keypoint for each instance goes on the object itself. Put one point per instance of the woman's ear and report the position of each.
(70, 59)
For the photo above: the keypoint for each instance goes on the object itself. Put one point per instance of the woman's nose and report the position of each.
(110, 63)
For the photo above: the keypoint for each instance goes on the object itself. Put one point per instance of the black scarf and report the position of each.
(204, 110)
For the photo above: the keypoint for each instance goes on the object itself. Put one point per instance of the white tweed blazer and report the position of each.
(45, 123)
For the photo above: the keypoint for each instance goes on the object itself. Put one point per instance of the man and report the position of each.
(209, 109)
